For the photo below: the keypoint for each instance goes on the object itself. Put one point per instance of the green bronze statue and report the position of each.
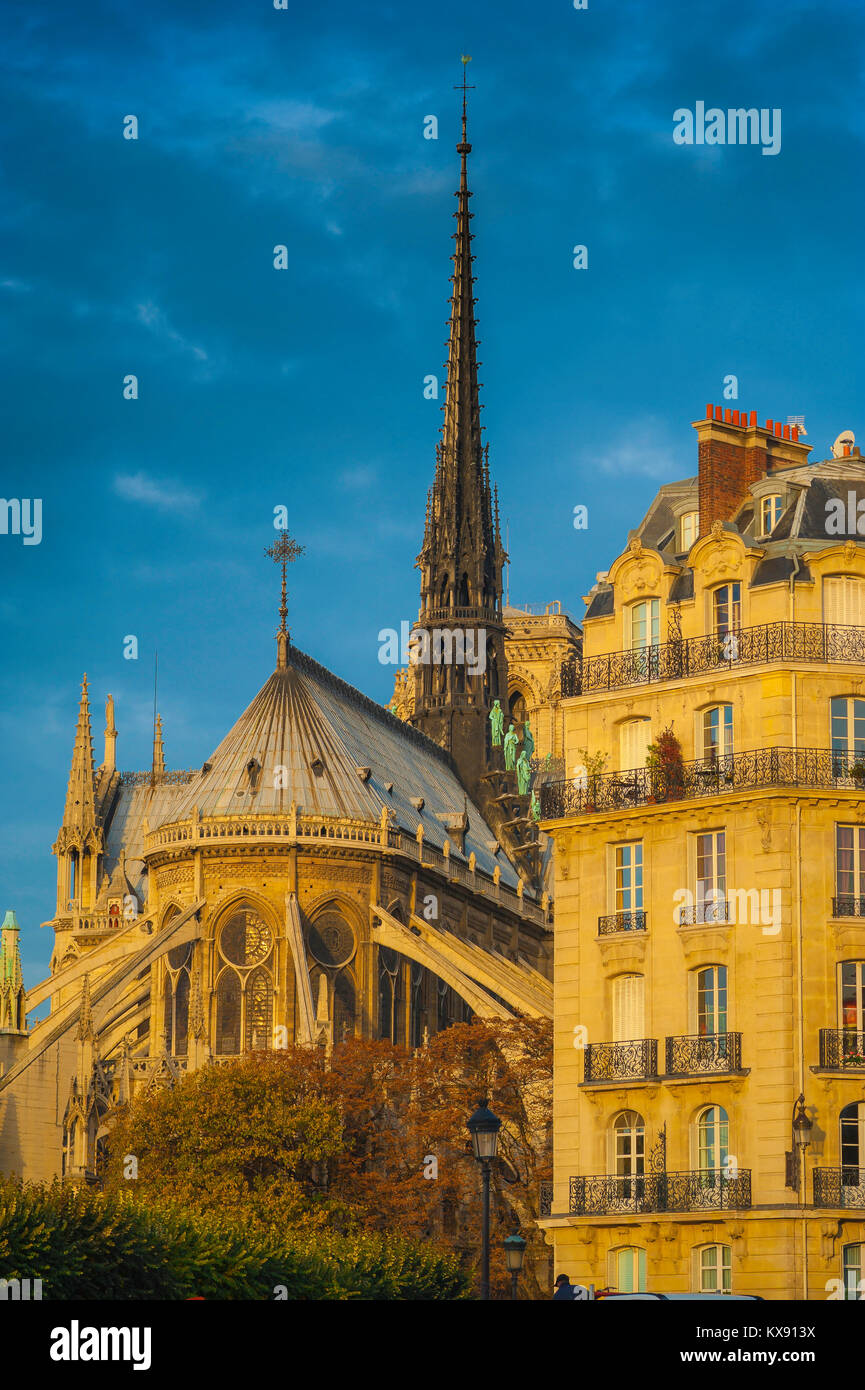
(510, 749)
(524, 774)
(497, 723)
(528, 739)
(536, 807)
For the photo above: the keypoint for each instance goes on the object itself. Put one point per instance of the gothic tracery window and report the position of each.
(244, 988)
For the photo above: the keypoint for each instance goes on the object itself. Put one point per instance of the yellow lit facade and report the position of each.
(710, 937)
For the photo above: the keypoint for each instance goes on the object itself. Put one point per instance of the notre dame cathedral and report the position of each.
(335, 868)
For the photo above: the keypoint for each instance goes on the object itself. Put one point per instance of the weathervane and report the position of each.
(283, 552)
(463, 87)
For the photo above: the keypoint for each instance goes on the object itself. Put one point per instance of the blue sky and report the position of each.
(304, 387)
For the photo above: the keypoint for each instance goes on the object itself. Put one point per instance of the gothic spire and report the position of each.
(80, 810)
(157, 771)
(12, 996)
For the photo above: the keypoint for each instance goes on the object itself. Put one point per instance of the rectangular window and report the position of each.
(851, 995)
(645, 624)
(711, 884)
(629, 877)
(854, 1271)
(727, 604)
(848, 725)
(770, 514)
(716, 1269)
(628, 1012)
(635, 735)
(850, 861)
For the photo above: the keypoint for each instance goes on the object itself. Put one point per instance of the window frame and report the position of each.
(777, 512)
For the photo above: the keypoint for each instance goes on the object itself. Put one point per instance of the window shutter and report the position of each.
(628, 1012)
(844, 601)
(635, 735)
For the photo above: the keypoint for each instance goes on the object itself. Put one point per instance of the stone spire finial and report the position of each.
(158, 768)
(110, 758)
(80, 809)
(12, 994)
(85, 1021)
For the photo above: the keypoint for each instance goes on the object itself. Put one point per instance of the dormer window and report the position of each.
(689, 529)
(770, 513)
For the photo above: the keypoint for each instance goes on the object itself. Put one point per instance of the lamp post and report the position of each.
(515, 1249)
(484, 1126)
(802, 1127)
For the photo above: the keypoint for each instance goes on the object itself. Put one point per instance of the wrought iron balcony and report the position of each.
(704, 1053)
(621, 921)
(839, 1187)
(842, 1048)
(545, 1198)
(848, 906)
(762, 767)
(635, 1060)
(695, 656)
(701, 914)
(649, 1192)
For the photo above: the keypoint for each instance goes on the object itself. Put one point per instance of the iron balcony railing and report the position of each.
(707, 1052)
(709, 1190)
(712, 910)
(842, 1047)
(545, 1198)
(584, 793)
(848, 906)
(621, 921)
(620, 1061)
(694, 656)
(839, 1187)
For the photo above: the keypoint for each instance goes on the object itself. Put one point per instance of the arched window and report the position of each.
(244, 988)
(464, 600)
(710, 1000)
(629, 1144)
(627, 1269)
(390, 995)
(712, 1139)
(853, 1268)
(517, 707)
(713, 1269)
(344, 1007)
(175, 1018)
(416, 1013)
(715, 733)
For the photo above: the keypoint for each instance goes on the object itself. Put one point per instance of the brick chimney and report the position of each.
(733, 453)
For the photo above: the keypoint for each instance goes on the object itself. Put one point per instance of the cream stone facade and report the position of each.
(710, 923)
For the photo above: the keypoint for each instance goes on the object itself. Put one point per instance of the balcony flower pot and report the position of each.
(666, 766)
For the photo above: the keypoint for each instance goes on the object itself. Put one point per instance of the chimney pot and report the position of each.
(846, 451)
(709, 412)
(778, 429)
(753, 419)
(717, 412)
(794, 433)
(770, 425)
(728, 417)
(735, 417)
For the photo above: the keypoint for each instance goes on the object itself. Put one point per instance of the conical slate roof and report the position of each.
(311, 739)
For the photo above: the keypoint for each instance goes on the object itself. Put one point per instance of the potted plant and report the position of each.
(594, 763)
(857, 771)
(666, 766)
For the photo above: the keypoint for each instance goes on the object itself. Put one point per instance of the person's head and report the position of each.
(562, 1279)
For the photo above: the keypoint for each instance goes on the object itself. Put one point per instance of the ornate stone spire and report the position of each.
(462, 556)
(80, 809)
(12, 995)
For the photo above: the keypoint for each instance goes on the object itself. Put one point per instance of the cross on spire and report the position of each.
(283, 552)
(464, 87)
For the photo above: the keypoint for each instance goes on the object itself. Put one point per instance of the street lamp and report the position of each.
(802, 1127)
(515, 1249)
(484, 1128)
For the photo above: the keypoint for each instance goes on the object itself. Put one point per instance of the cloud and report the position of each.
(166, 494)
(644, 449)
(155, 319)
(358, 479)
